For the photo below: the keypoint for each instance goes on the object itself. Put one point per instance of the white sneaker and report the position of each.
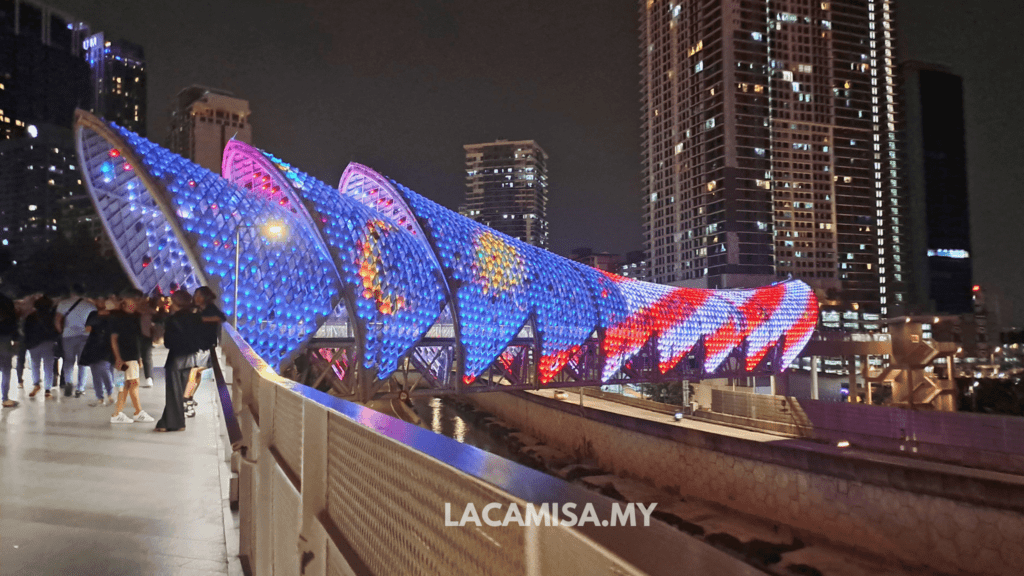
(94, 403)
(147, 384)
(121, 418)
(143, 417)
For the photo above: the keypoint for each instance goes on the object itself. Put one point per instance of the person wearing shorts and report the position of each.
(125, 336)
(208, 335)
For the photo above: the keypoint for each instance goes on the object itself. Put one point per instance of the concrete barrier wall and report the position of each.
(330, 487)
(919, 516)
(974, 440)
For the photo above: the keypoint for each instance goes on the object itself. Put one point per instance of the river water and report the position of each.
(454, 420)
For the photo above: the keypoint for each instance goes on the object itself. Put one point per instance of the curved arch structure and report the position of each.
(174, 223)
(397, 266)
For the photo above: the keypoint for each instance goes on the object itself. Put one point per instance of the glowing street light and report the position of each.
(271, 230)
(274, 230)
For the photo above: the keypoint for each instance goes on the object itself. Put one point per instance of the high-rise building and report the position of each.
(936, 178)
(119, 81)
(507, 188)
(203, 120)
(43, 76)
(41, 192)
(770, 147)
(634, 266)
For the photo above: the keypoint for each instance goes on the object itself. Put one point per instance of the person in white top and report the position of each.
(70, 320)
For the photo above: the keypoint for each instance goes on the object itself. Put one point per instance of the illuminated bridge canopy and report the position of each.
(403, 276)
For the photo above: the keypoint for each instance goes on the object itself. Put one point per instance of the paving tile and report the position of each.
(79, 495)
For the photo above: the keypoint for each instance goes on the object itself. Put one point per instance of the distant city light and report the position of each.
(944, 253)
(32, 130)
(843, 444)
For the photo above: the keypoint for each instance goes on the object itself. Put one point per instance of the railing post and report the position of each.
(814, 377)
(264, 556)
(241, 385)
(312, 536)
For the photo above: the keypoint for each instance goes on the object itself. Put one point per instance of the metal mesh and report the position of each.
(381, 491)
(286, 509)
(288, 430)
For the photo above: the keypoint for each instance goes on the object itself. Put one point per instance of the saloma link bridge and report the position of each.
(373, 290)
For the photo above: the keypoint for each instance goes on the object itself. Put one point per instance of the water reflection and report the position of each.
(445, 417)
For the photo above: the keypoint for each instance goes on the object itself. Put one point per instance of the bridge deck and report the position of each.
(84, 496)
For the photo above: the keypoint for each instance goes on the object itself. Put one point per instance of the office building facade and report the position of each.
(119, 81)
(770, 147)
(507, 188)
(204, 120)
(936, 179)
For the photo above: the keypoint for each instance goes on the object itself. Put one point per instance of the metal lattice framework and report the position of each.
(381, 286)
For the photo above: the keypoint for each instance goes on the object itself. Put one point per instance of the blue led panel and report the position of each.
(276, 314)
(148, 248)
(390, 271)
(488, 276)
(565, 311)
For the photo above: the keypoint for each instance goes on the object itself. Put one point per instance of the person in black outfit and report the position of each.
(181, 338)
(41, 341)
(96, 354)
(125, 334)
(209, 335)
(8, 334)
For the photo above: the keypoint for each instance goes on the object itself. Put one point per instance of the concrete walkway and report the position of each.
(806, 445)
(79, 495)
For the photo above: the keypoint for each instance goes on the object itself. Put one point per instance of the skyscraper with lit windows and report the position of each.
(119, 80)
(770, 147)
(507, 188)
(43, 76)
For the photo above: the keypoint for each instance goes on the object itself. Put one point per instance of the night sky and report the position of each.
(401, 85)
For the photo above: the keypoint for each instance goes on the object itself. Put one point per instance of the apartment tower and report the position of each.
(770, 148)
(507, 188)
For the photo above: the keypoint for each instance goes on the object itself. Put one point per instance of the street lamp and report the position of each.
(271, 230)
(992, 357)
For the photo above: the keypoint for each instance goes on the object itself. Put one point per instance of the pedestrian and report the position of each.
(181, 339)
(70, 321)
(208, 336)
(23, 307)
(97, 354)
(8, 334)
(146, 317)
(41, 340)
(125, 333)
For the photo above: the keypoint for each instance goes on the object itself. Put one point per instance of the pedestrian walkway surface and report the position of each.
(79, 495)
